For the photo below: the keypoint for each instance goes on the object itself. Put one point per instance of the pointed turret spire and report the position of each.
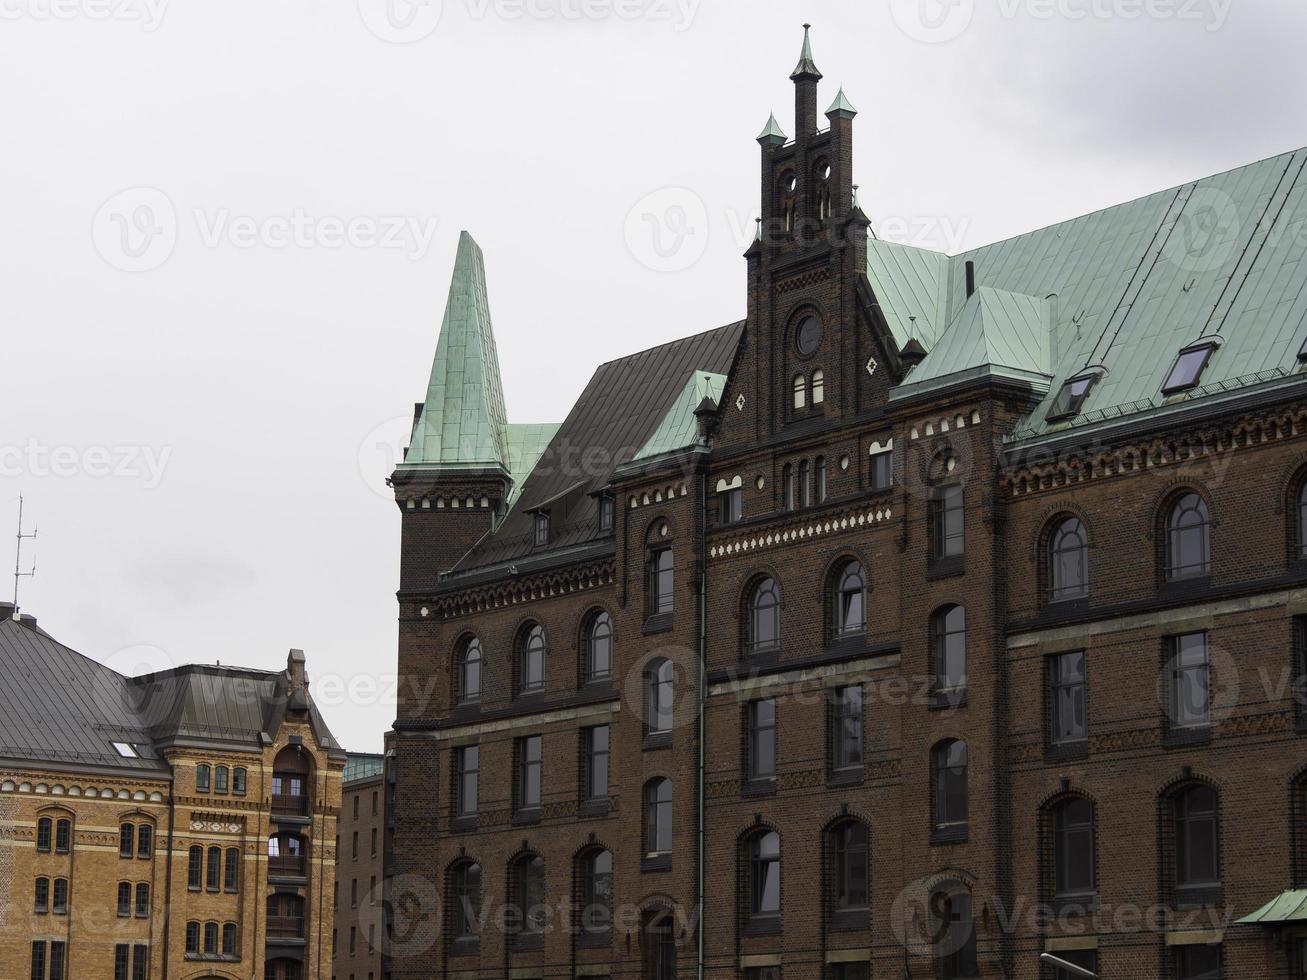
(772, 134)
(806, 68)
(463, 423)
(841, 108)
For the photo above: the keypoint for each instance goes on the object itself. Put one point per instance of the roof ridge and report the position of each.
(675, 340)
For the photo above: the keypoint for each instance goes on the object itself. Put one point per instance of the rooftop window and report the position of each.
(1188, 368)
(1072, 397)
(126, 750)
(542, 529)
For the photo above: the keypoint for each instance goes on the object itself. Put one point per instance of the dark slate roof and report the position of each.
(621, 407)
(63, 709)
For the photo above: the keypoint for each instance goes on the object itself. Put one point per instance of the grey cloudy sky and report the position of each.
(228, 231)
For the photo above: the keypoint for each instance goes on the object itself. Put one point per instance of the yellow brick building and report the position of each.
(172, 826)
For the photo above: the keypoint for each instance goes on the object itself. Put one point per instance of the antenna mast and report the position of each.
(18, 553)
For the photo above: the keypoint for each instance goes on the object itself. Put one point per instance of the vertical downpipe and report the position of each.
(702, 699)
(167, 880)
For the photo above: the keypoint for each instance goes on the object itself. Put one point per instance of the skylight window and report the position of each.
(1072, 396)
(126, 750)
(1188, 368)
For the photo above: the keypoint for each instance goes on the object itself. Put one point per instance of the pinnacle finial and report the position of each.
(841, 108)
(772, 134)
(806, 68)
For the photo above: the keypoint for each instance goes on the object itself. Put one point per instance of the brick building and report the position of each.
(942, 613)
(360, 850)
(173, 825)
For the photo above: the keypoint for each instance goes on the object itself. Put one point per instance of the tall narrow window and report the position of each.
(195, 868)
(594, 769)
(761, 724)
(950, 789)
(730, 505)
(1068, 561)
(58, 951)
(789, 498)
(660, 689)
(220, 779)
(59, 903)
(1302, 521)
(38, 960)
(140, 961)
(41, 905)
(231, 870)
(1073, 849)
(1188, 539)
(818, 387)
(946, 522)
(466, 905)
(530, 760)
(819, 469)
(469, 671)
(229, 939)
(660, 581)
(541, 529)
(126, 840)
(1197, 845)
(142, 900)
(849, 601)
(846, 728)
(658, 818)
(202, 778)
(44, 834)
(63, 836)
(192, 939)
(1067, 699)
(145, 835)
(597, 894)
(599, 648)
(531, 660)
(467, 764)
(1189, 682)
(849, 867)
(800, 392)
(605, 514)
(210, 939)
(882, 465)
(805, 484)
(529, 885)
(956, 946)
(213, 869)
(764, 623)
(765, 875)
(948, 638)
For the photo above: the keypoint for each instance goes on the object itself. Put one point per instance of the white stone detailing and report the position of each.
(735, 483)
(877, 515)
(739, 401)
(872, 365)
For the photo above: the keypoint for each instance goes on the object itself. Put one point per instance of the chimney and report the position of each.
(971, 279)
(28, 620)
(7, 610)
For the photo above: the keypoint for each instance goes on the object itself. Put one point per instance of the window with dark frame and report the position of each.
(145, 837)
(124, 899)
(1073, 849)
(594, 770)
(531, 660)
(58, 951)
(597, 893)
(1068, 561)
(467, 764)
(142, 900)
(661, 581)
(1071, 397)
(1068, 700)
(44, 834)
(1198, 963)
(805, 484)
(849, 601)
(38, 960)
(1189, 682)
(140, 961)
(764, 618)
(529, 882)
(818, 387)
(229, 939)
(956, 946)
(599, 647)
(469, 671)
(882, 467)
(948, 639)
(730, 505)
(846, 728)
(658, 818)
(950, 787)
(59, 899)
(41, 899)
(1188, 369)
(761, 725)
(1188, 539)
(850, 878)
(1197, 844)
(127, 840)
(201, 778)
(947, 525)
(220, 779)
(1300, 545)
(63, 836)
(541, 528)
(605, 514)
(195, 868)
(530, 763)
(192, 939)
(213, 870)
(789, 498)
(660, 691)
(210, 939)
(848, 971)
(122, 956)
(231, 870)
(466, 906)
(765, 875)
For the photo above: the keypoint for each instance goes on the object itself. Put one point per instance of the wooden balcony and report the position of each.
(289, 806)
(286, 866)
(285, 927)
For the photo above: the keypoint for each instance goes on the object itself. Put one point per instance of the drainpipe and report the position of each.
(167, 881)
(702, 698)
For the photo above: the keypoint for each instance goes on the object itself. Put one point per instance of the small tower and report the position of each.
(805, 77)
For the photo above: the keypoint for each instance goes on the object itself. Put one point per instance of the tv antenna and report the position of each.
(19, 574)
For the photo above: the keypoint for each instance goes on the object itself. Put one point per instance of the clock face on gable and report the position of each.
(807, 338)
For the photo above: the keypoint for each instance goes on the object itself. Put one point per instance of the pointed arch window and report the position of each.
(822, 177)
(469, 671)
(789, 187)
(764, 634)
(1068, 561)
(1188, 539)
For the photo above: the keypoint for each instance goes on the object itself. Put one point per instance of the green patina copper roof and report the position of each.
(1290, 906)
(1133, 284)
(806, 66)
(679, 428)
(463, 422)
(526, 444)
(841, 106)
(995, 332)
(772, 132)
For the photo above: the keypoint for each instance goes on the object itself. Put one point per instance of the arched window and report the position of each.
(764, 630)
(1068, 561)
(800, 392)
(821, 191)
(662, 579)
(765, 875)
(59, 904)
(124, 899)
(142, 900)
(63, 836)
(1188, 539)
(469, 671)
(849, 867)
(41, 903)
(789, 186)
(805, 484)
(145, 840)
(660, 689)
(948, 648)
(818, 386)
(192, 938)
(599, 647)
(596, 880)
(291, 771)
(531, 660)
(790, 499)
(213, 870)
(465, 901)
(955, 945)
(210, 939)
(849, 601)
(528, 884)
(44, 834)
(220, 779)
(1300, 550)
(202, 778)
(820, 467)
(231, 869)
(949, 765)
(229, 939)
(195, 868)
(285, 855)
(126, 840)
(657, 818)
(1197, 845)
(238, 781)
(1073, 849)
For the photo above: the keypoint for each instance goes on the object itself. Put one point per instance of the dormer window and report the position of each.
(1188, 370)
(605, 514)
(1069, 400)
(542, 529)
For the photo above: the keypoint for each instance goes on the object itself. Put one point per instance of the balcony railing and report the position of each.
(287, 866)
(293, 806)
(285, 927)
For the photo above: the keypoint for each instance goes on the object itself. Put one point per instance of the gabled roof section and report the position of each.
(996, 333)
(679, 428)
(911, 285)
(526, 444)
(463, 422)
(625, 403)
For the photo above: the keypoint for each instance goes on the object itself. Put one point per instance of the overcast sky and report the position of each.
(228, 230)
